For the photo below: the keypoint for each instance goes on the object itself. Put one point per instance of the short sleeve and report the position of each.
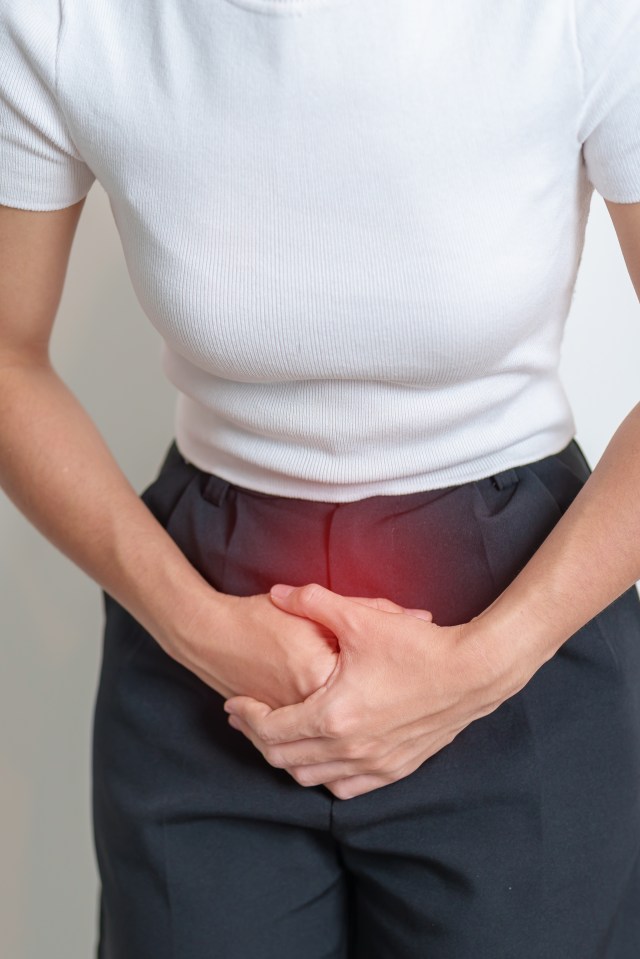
(40, 167)
(608, 34)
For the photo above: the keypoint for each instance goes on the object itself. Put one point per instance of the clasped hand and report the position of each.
(402, 689)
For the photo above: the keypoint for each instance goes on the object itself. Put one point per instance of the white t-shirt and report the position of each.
(356, 224)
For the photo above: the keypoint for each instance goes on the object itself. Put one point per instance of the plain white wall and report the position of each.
(51, 615)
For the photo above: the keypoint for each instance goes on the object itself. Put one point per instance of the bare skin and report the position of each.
(350, 721)
(380, 716)
(57, 469)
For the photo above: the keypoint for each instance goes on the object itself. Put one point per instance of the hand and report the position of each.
(265, 652)
(401, 690)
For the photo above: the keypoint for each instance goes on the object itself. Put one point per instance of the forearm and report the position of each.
(58, 471)
(590, 558)
(385, 713)
(56, 468)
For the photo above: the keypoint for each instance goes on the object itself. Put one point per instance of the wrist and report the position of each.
(182, 608)
(512, 642)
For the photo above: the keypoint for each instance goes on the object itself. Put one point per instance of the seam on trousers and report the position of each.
(165, 864)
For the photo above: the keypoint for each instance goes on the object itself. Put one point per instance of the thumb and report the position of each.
(315, 602)
(388, 606)
(420, 614)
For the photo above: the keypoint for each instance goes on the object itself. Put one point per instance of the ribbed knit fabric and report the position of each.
(356, 224)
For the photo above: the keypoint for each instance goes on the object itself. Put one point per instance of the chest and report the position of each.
(364, 190)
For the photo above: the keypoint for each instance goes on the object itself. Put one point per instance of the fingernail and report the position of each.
(280, 591)
(420, 614)
(227, 708)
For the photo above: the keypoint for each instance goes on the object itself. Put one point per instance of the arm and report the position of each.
(593, 554)
(368, 727)
(56, 468)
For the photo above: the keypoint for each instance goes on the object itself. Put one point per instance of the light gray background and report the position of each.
(51, 615)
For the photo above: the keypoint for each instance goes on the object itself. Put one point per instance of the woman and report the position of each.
(375, 542)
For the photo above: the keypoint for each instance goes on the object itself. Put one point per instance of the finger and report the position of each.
(287, 723)
(270, 753)
(329, 609)
(352, 786)
(313, 752)
(274, 757)
(322, 773)
(386, 605)
(420, 614)
(341, 778)
(315, 602)
(252, 711)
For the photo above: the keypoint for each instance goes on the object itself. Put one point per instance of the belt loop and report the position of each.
(215, 490)
(508, 477)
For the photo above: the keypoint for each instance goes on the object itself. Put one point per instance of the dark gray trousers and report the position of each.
(519, 840)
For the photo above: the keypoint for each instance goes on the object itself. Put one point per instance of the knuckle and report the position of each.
(308, 593)
(393, 775)
(377, 764)
(387, 605)
(349, 723)
(370, 751)
(273, 756)
(342, 790)
(380, 765)
(331, 724)
(339, 722)
(352, 750)
(267, 738)
(301, 775)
